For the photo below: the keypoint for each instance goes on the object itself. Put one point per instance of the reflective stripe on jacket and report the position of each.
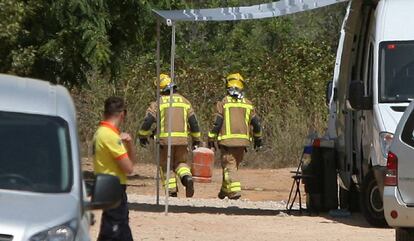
(237, 115)
(235, 127)
(182, 114)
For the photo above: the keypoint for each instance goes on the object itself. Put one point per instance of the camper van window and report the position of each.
(35, 153)
(396, 73)
(370, 70)
(407, 134)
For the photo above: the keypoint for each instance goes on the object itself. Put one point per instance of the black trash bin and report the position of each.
(321, 185)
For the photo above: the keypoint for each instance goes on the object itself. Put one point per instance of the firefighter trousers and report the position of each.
(231, 157)
(179, 167)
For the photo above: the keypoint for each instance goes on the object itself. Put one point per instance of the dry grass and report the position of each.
(285, 128)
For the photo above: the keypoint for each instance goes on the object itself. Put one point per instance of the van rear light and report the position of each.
(391, 175)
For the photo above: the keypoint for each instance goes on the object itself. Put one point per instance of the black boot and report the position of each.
(187, 181)
(234, 195)
(222, 194)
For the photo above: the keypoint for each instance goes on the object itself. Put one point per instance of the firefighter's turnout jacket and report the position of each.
(184, 125)
(233, 121)
(184, 121)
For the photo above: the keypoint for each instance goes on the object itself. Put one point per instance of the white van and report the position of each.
(373, 83)
(42, 193)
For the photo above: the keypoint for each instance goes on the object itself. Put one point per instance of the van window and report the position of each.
(35, 153)
(370, 70)
(407, 135)
(396, 73)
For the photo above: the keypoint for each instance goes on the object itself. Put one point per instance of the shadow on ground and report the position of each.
(144, 207)
(355, 219)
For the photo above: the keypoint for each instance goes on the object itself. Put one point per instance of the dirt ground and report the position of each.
(258, 184)
(187, 222)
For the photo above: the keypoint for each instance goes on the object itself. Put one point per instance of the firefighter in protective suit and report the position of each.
(234, 117)
(184, 124)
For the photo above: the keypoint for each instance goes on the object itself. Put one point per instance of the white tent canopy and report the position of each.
(266, 10)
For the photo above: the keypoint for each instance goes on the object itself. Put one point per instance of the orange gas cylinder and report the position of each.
(202, 166)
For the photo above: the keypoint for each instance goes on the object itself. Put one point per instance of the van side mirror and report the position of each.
(357, 98)
(328, 92)
(106, 194)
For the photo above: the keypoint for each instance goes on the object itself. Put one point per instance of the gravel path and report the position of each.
(211, 203)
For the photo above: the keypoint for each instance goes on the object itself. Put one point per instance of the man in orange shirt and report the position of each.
(114, 154)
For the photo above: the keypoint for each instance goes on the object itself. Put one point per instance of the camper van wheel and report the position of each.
(371, 202)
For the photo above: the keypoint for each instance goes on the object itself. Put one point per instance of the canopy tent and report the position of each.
(267, 10)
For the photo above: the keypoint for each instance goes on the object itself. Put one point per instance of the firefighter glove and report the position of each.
(258, 144)
(196, 144)
(211, 144)
(143, 141)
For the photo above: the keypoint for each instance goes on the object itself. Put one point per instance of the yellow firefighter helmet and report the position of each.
(165, 82)
(235, 81)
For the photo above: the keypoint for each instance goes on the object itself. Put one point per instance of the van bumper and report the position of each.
(393, 202)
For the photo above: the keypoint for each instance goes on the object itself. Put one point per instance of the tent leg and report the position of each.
(157, 140)
(170, 117)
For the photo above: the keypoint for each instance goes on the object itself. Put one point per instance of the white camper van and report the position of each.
(373, 84)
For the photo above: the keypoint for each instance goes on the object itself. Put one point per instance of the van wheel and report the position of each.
(349, 200)
(404, 234)
(371, 202)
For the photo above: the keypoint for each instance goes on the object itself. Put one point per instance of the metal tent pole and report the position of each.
(157, 139)
(170, 116)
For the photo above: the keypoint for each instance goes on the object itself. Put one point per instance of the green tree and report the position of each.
(100, 48)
